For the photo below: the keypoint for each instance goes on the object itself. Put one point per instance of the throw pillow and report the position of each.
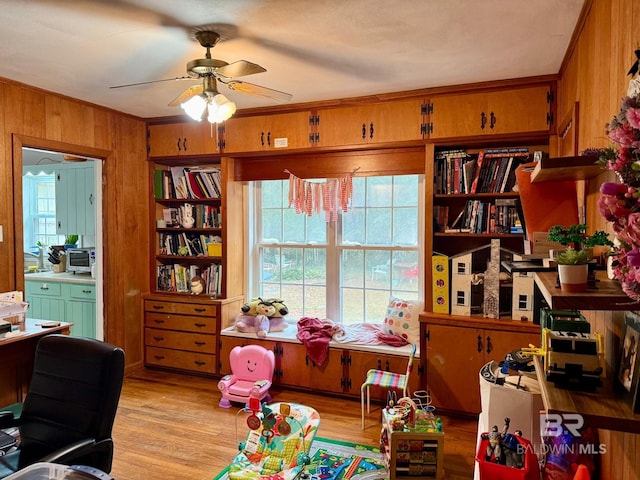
(402, 319)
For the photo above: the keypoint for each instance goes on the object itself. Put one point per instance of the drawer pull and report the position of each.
(44, 287)
(158, 339)
(86, 291)
(200, 344)
(200, 363)
(158, 321)
(200, 325)
(200, 310)
(159, 357)
(158, 307)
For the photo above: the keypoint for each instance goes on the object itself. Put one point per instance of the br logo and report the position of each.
(555, 424)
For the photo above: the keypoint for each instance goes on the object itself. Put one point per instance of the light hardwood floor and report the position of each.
(170, 427)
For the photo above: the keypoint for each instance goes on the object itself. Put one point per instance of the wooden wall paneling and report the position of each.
(233, 243)
(126, 238)
(69, 121)
(428, 225)
(7, 261)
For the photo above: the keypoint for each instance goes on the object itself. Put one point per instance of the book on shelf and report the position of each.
(178, 278)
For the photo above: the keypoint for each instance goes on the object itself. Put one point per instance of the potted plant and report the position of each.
(70, 241)
(573, 261)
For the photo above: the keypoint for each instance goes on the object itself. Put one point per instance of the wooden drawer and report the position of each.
(193, 342)
(184, 323)
(82, 291)
(196, 362)
(50, 289)
(206, 310)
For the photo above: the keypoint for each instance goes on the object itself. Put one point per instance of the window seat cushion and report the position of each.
(349, 342)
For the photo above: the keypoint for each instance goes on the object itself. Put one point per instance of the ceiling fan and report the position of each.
(195, 99)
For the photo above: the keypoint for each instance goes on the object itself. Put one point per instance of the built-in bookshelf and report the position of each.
(188, 229)
(475, 196)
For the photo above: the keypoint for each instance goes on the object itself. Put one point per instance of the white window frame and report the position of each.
(333, 296)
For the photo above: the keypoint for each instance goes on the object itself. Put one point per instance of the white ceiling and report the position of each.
(312, 49)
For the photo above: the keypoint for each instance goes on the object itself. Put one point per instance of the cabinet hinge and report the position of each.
(549, 118)
(427, 334)
(311, 137)
(550, 98)
(426, 108)
(317, 137)
(420, 369)
(429, 128)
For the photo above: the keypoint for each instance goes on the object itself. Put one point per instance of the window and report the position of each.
(345, 270)
(39, 210)
(523, 302)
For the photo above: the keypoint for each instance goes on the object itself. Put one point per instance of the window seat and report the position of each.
(288, 335)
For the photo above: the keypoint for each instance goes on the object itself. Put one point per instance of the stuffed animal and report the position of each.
(262, 316)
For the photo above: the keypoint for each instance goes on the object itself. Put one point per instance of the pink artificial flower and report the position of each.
(623, 135)
(633, 259)
(633, 117)
(632, 229)
(612, 188)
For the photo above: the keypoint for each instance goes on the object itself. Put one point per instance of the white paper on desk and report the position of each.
(15, 296)
(8, 309)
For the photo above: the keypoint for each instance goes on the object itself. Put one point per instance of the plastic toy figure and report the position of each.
(494, 448)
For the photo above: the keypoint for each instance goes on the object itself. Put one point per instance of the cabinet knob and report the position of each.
(262, 139)
(200, 344)
(364, 131)
(158, 339)
(44, 286)
(492, 121)
(479, 343)
(371, 130)
(269, 138)
(200, 325)
(489, 345)
(184, 144)
(483, 120)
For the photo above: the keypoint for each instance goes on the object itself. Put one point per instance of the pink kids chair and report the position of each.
(251, 374)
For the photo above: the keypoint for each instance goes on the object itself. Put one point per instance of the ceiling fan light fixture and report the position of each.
(195, 106)
(225, 108)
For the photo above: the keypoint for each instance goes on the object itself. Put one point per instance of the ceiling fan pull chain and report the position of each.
(371, 130)
(364, 131)
(483, 120)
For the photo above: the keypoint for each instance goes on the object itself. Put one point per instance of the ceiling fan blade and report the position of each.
(240, 69)
(151, 81)
(251, 89)
(187, 94)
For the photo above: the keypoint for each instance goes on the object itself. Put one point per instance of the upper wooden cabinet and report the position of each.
(189, 138)
(392, 121)
(267, 132)
(515, 110)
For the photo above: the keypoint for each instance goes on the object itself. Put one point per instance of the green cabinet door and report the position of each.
(81, 309)
(45, 300)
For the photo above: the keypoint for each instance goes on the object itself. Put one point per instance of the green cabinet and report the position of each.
(75, 199)
(63, 302)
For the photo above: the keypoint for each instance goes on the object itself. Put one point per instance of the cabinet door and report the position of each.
(65, 200)
(89, 199)
(189, 138)
(498, 343)
(267, 132)
(393, 121)
(46, 308)
(83, 317)
(226, 345)
(294, 365)
(519, 110)
(454, 358)
(361, 362)
(514, 110)
(328, 377)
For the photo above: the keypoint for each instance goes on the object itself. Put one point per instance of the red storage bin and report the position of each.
(495, 471)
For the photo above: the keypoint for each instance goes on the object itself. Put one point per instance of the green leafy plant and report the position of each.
(575, 238)
(71, 239)
(570, 256)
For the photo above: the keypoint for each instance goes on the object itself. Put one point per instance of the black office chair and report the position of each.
(68, 413)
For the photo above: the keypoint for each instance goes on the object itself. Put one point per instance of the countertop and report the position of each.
(67, 277)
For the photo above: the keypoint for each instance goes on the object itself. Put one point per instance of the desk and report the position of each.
(16, 358)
